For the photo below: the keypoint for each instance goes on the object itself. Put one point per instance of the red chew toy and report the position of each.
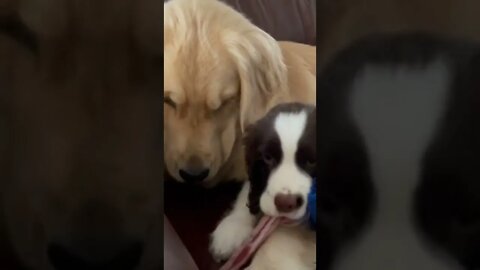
(264, 228)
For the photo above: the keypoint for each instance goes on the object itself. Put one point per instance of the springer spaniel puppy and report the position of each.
(281, 159)
(399, 155)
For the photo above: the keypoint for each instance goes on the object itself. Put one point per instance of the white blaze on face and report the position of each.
(397, 112)
(287, 177)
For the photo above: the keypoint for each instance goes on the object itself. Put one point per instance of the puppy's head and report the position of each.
(281, 159)
(220, 71)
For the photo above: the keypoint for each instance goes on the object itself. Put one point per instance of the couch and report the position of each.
(193, 212)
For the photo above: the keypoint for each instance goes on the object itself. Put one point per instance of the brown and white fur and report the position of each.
(398, 154)
(281, 161)
(221, 74)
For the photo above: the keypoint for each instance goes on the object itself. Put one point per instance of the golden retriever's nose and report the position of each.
(63, 258)
(194, 170)
(286, 203)
(194, 176)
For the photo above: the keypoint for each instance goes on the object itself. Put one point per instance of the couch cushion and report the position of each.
(195, 212)
(175, 253)
(291, 20)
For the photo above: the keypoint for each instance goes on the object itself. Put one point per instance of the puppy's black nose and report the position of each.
(63, 258)
(194, 176)
(286, 203)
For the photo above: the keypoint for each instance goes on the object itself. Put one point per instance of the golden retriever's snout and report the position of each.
(194, 171)
(96, 241)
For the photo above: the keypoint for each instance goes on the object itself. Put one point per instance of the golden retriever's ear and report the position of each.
(263, 73)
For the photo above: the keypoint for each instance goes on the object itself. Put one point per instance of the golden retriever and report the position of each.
(80, 92)
(221, 74)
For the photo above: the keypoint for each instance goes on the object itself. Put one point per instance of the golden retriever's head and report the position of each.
(82, 83)
(221, 73)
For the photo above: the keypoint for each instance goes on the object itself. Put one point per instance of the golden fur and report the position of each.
(82, 113)
(341, 22)
(221, 74)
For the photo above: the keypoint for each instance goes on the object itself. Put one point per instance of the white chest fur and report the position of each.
(397, 112)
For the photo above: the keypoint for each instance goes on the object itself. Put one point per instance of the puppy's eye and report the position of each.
(15, 29)
(310, 163)
(169, 102)
(268, 159)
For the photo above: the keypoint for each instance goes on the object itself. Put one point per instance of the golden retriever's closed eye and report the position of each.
(221, 74)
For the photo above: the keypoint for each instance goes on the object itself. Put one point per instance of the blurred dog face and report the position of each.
(219, 73)
(281, 159)
(83, 90)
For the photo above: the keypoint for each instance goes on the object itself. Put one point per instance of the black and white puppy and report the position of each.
(280, 154)
(399, 155)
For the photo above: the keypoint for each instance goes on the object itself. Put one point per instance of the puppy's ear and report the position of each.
(248, 135)
(256, 169)
(262, 71)
(258, 177)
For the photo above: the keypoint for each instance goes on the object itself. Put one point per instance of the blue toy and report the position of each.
(312, 206)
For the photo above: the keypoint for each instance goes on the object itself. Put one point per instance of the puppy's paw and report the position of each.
(228, 236)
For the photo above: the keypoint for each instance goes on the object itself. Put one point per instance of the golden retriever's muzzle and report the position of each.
(194, 170)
